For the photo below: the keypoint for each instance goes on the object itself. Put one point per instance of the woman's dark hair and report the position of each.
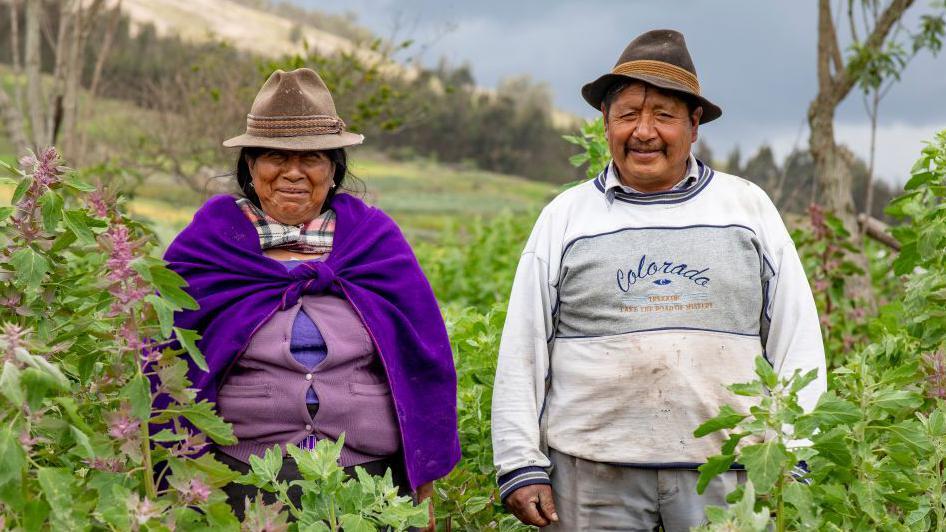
(338, 156)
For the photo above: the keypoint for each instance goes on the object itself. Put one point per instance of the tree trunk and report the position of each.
(832, 171)
(834, 84)
(31, 61)
(10, 115)
(104, 51)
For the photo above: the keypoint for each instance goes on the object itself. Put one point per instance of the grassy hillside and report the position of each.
(423, 197)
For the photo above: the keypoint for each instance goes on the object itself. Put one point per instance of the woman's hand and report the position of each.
(426, 492)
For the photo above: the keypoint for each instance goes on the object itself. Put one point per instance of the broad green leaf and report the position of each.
(10, 384)
(911, 433)
(188, 339)
(12, 457)
(937, 423)
(218, 473)
(901, 374)
(82, 442)
(832, 411)
(5, 213)
(203, 416)
(30, 267)
(729, 447)
(355, 523)
(833, 446)
(57, 486)
(764, 463)
(63, 241)
(12, 169)
(726, 419)
(220, 517)
(77, 184)
(167, 435)
(895, 400)
(799, 495)
(169, 284)
(716, 465)
(138, 393)
(42, 365)
(747, 389)
(77, 222)
(165, 312)
(21, 190)
(800, 381)
(269, 465)
(765, 372)
(51, 210)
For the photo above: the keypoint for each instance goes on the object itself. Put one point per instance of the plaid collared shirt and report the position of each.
(313, 238)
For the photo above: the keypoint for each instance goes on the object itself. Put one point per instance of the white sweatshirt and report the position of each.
(629, 315)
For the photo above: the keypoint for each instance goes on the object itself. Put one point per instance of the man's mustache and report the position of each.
(639, 146)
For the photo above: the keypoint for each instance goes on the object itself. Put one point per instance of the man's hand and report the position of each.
(533, 505)
(424, 492)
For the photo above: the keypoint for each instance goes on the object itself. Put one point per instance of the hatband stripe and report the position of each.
(660, 69)
(289, 126)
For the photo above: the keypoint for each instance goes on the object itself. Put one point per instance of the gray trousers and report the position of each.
(591, 496)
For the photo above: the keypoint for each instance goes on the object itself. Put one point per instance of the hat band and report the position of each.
(660, 69)
(293, 126)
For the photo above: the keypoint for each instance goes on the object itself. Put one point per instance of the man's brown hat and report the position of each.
(658, 57)
(294, 111)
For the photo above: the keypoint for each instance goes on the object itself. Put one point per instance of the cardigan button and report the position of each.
(308, 376)
(308, 428)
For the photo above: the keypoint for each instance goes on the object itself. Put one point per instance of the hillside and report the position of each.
(244, 27)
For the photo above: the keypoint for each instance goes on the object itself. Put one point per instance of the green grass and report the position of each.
(425, 198)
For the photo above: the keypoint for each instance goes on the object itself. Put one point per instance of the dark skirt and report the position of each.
(237, 493)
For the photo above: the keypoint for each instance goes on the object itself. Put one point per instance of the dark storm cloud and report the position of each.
(756, 59)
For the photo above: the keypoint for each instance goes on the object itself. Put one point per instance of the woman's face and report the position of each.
(291, 185)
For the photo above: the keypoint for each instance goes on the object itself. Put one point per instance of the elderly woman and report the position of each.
(315, 317)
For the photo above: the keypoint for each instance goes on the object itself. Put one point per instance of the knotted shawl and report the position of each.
(372, 266)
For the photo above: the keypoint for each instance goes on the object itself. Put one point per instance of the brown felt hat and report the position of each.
(658, 57)
(294, 111)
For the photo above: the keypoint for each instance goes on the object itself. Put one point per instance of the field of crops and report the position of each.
(78, 308)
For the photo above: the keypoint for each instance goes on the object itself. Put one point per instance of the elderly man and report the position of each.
(639, 296)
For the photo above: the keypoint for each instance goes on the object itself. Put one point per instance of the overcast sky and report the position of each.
(754, 58)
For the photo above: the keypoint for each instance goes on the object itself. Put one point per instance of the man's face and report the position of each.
(649, 134)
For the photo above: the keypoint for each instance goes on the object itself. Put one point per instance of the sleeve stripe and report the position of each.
(527, 478)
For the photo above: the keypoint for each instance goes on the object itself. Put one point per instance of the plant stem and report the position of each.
(331, 514)
(147, 475)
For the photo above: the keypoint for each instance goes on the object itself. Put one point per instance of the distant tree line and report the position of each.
(199, 94)
(791, 184)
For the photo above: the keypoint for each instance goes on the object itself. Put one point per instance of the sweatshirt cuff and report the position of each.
(518, 478)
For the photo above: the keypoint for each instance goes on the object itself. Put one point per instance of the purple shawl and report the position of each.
(372, 266)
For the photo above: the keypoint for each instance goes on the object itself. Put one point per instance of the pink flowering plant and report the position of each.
(827, 254)
(99, 426)
(86, 330)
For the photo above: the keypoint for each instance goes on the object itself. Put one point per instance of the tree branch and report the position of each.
(885, 22)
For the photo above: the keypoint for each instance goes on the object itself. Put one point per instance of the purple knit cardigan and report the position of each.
(372, 266)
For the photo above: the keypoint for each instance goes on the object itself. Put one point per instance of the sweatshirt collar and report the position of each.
(697, 177)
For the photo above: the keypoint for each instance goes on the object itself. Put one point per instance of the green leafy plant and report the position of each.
(332, 501)
(594, 146)
(771, 457)
(877, 437)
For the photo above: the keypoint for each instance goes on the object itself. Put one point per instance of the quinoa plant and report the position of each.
(877, 451)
